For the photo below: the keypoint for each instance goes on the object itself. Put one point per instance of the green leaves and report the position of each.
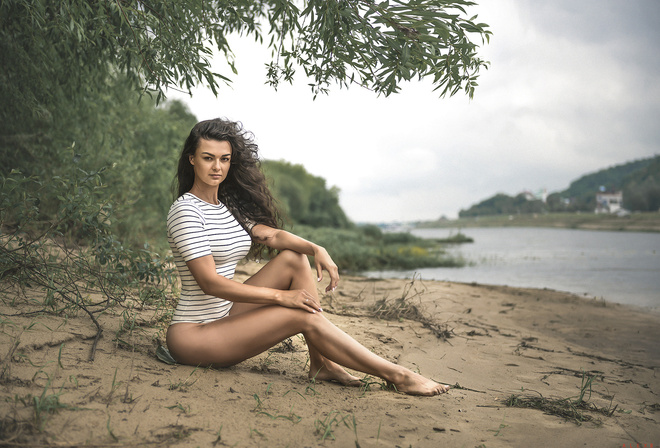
(54, 50)
(378, 45)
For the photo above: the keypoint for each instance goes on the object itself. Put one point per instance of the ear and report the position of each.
(190, 159)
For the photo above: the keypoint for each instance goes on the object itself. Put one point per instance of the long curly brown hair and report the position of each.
(244, 191)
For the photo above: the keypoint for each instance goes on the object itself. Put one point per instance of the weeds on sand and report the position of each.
(109, 428)
(326, 428)
(219, 436)
(274, 415)
(309, 389)
(293, 390)
(180, 407)
(113, 388)
(44, 405)
(5, 362)
(368, 382)
(286, 346)
(292, 416)
(185, 384)
(501, 427)
(569, 408)
(259, 404)
(257, 432)
(403, 308)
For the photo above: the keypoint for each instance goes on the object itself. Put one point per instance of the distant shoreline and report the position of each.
(636, 222)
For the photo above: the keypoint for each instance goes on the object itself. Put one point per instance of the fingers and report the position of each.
(309, 302)
(319, 272)
(334, 279)
(334, 276)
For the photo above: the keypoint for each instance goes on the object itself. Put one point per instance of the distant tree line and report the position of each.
(304, 198)
(638, 180)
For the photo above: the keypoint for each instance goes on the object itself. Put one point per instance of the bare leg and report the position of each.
(290, 270)
(240, 336)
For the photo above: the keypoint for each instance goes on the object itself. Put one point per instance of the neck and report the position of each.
(209, 195)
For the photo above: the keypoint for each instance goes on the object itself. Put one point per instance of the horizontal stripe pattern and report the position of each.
(195, 229)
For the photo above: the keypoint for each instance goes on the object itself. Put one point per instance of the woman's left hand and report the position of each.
(323, 261)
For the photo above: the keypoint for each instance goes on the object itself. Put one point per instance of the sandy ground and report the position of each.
(494, 342)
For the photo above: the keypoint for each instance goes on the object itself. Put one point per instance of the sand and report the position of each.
(490, 342)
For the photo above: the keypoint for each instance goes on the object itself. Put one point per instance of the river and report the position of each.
(621, 267)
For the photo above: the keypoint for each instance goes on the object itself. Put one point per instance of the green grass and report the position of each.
(44, 405)
(326, 428)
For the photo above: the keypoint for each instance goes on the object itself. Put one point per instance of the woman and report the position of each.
(224, 211)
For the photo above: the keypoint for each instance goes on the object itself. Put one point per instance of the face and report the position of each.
(211, 162)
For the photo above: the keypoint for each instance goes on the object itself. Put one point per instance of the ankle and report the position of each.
(398, 376)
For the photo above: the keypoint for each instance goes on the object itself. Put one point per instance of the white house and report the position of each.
(609, 202)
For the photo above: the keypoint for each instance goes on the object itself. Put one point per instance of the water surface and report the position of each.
(622, 267)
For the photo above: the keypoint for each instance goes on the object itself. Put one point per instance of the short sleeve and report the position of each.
(186, 231)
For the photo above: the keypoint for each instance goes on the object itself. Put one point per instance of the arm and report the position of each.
(281, 239)
(185, 227)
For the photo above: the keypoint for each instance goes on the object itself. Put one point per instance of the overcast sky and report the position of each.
(573, 87)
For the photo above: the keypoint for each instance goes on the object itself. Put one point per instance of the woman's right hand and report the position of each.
(299, 298)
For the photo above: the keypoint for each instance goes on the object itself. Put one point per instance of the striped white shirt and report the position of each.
(196, 228)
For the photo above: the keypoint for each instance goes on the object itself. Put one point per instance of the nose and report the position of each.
(216, 165)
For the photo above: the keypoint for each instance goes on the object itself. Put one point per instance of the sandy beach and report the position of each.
(540, 349)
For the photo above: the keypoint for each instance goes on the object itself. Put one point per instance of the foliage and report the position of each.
(303, 197)
(133, 145)
(70, 71)
(51, 50)
(357, 250)
(377, 45)
(502, 204)
(641, 191)
(73, 257)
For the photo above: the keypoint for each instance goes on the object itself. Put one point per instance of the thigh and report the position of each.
(275, 274)
(280, 271)
(230, 340)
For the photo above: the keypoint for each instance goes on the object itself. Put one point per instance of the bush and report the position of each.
(357, 250)
(74, 258)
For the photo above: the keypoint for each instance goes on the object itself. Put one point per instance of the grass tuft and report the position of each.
(402, 308)
(326, 428)
(571, 409)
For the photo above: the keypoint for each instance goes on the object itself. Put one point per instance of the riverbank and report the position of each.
(635, 222)
(494, 344)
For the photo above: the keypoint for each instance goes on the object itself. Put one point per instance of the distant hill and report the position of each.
(639, 180)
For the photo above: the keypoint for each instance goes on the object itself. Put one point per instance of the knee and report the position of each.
(294, 259)
(312, 322)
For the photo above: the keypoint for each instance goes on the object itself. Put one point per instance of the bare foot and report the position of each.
(415, 384)
(333, 372)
